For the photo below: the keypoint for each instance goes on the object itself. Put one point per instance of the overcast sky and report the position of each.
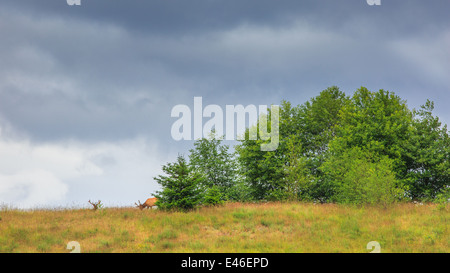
(86, 92)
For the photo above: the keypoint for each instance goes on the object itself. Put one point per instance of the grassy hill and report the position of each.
(234, 227)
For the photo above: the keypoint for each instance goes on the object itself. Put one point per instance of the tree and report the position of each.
(180, 188)
(310, 126)
(318, 121)
(212, 160)
(318, 118)
(298, 176)
(428, 155)
(264, 171)
(377, 122)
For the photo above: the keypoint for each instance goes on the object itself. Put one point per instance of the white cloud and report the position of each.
(31, 187)
(71, 172)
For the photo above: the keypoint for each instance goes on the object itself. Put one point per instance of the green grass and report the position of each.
(234, 227)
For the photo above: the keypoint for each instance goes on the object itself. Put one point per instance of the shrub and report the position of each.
(213, 196)
(360, 178)
(443, 198)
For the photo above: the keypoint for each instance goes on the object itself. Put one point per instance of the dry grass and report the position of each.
(235, 227)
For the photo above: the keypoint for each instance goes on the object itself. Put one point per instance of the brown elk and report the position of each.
(149, 203)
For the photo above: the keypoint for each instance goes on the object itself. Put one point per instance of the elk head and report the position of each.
(140, 206)
(95, 205)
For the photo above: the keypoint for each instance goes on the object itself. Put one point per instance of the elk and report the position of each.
(149, 203)
(96, 205)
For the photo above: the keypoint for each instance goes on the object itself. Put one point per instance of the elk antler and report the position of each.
(140, 206)
(95, 204)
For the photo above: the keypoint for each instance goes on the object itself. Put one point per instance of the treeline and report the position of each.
(369, 148)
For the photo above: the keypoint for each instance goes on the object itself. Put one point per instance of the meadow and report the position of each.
(292, 227)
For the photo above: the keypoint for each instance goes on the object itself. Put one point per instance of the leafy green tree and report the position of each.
(318, 118)
(428, 155)
(377, 122)
(310, 126)
(180, 187)
(318, 121)
(264, 171)
(212, 160)
(298, 176)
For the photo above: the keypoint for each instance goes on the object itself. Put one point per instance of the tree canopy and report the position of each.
(365, 148)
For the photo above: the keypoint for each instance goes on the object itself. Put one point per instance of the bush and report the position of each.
(443, 198)
(239, 192)
(213, 196)
(358, 178)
